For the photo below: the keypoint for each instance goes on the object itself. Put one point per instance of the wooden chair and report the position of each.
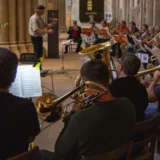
(30, 155)
(149, 129)
(122, 152)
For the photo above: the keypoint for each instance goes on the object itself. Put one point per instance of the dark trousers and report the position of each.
(47, 155)
(38, 46)
(79, 41)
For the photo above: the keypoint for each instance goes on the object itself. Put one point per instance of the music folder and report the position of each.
(27, 82)
(86, 30)
(121, 39)
(104, 32)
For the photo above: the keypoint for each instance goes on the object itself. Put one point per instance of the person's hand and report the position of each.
(146, 83)
(50, 31)
(76, 106)
(156, 75)
(55, 20)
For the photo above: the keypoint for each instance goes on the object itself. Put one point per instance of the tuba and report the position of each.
(100, 51)
(50, 108)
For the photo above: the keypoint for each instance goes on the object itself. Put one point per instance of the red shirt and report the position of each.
(123, 29)
(74, 34)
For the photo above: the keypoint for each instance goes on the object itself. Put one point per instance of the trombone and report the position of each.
(50, 108)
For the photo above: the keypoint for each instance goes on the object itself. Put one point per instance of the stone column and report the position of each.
(27, 13)
(20, 26)
(68, 13)
(149, 12)
(61, 7)
(114, 11)
(34, 4)
(4, 37)
(156, 20)
(12, 26)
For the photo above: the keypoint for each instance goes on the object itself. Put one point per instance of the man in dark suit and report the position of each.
(75, 34)
(103, 126)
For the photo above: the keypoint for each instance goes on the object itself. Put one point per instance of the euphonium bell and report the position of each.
(49, 107)
(46, 109)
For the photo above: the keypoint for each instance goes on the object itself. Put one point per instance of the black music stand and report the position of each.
(63, 70)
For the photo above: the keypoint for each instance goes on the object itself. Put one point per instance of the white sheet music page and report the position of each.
(30, 82)
(66, 42)
(15, 88)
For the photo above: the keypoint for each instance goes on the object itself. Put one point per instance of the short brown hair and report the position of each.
(96, 71)
(131, 64)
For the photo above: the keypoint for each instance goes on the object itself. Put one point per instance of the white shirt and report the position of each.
(35, 23)
(89, 39)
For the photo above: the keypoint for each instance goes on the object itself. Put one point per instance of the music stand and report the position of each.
(63, 70)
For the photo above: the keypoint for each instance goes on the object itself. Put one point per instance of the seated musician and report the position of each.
(146, 41)
(89, 39)
(153, 90)
(134, 31)
(18, 121)
(75, 34)
(102, 37)
(128, 85)
(104, 126)
(94, 29)
(140, 37)
(122, 30)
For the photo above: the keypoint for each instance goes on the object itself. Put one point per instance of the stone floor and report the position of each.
(63, 83)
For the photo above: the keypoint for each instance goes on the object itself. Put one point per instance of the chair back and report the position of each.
(122, 152)
(30, 155)
(149, 129)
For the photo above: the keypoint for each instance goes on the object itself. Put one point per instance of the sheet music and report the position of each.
(16, 85)
(27, 82)
(66, 42)
(155, 51)
(143, 57)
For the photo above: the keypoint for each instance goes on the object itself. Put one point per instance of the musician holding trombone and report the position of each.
(93, 130)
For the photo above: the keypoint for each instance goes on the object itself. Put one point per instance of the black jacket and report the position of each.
(131, 88)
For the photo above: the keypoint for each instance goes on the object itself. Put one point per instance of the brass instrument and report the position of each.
(104, 49)
(153, 39)
(142, 73)
(50, 109)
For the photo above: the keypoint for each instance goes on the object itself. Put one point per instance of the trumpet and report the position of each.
(50, 109)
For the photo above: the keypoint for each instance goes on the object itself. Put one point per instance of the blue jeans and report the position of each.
(151, 110)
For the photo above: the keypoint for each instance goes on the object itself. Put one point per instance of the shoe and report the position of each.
(65, 52)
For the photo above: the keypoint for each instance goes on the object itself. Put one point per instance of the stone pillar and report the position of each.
(156, 20)
(114, 12)
(12, 26)
(20, 26)
(60, 5)
(149, 12)
(4, 37)
(68, 13)
(27, 14)
(34, 4)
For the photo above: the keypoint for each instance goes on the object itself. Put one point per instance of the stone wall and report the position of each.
(140, 11)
